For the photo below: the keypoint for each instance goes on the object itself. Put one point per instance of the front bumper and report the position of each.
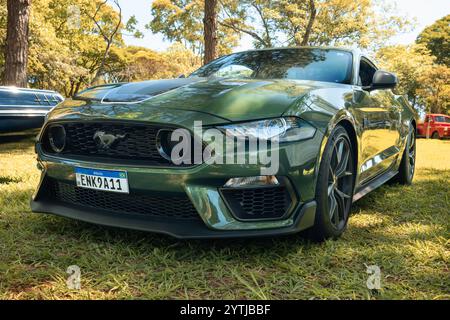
(201, 184)
(176, 228)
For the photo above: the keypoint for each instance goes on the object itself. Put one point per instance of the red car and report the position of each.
(436, 126)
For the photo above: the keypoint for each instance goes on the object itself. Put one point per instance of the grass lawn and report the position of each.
(403, 230)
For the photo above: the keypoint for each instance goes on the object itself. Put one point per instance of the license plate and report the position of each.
(104, 180)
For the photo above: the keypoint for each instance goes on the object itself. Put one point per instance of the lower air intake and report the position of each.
(159, 206)
(261, 203)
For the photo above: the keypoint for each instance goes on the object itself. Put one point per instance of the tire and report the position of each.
(335, 186)
(407, 167)
(435, 135)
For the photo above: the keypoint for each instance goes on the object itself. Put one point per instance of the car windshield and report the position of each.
(442, 119)
(298, 64)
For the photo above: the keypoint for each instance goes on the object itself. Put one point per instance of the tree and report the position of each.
(16, 51)
(137, 64)
(183, 21)
(253, 18)
(426, 84)
(66, 48)
(366, 23)
(210, 30)
(409, 63)
(435, 89)
(311, 20)
(108, 34)
(181, 60)
(437, 39)
(3, 23)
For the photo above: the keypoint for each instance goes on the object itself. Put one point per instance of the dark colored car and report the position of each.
(335, 129)
(435, 126)
(24, 110)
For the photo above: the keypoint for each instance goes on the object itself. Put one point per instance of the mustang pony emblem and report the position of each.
(105, 140)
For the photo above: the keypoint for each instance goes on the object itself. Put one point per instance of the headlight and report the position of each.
(281, 129)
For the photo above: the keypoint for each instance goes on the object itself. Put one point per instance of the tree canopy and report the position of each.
(437, 39)
(366, 23)
(426, 83)
(74, 42)
(67, 47)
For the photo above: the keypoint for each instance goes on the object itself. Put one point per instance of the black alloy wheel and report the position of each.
(335, 186)
(407, 166)
(411, 145)
(340, 183)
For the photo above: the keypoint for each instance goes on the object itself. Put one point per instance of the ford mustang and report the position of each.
(311, 131)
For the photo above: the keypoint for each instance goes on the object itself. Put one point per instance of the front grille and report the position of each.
(137, 143)
(258, 203)
(158, 206)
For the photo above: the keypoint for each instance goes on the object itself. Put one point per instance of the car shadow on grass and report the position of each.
(288, 267)
(398, 214)
(16, 144)
(9, 180)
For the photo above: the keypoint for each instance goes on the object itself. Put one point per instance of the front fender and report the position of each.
(325, 110)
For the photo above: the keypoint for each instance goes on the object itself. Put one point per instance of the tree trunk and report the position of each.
(210, 29)
(16, 50)
(109, 38)
(101, 69)
(78, 86)
(312, 19)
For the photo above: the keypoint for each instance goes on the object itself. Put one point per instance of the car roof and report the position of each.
(438, 114)
(2, 88)
(303, 47)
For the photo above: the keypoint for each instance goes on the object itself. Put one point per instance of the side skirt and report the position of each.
(374, 184)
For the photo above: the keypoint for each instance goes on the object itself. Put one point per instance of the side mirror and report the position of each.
(181, 76)
(383, 80)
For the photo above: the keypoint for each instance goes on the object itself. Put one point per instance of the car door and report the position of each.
(379, 112)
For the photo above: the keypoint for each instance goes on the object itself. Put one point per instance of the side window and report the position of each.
(18, 98)
(29, 99)
(8, 98)
(52, 100)
(366, 73)
(45, 101)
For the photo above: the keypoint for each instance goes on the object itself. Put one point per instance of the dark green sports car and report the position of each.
(257, 143)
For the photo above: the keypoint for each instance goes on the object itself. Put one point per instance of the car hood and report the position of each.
(222, 99)
(234, 99)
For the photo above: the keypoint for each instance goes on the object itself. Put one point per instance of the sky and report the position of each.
(424, 11)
